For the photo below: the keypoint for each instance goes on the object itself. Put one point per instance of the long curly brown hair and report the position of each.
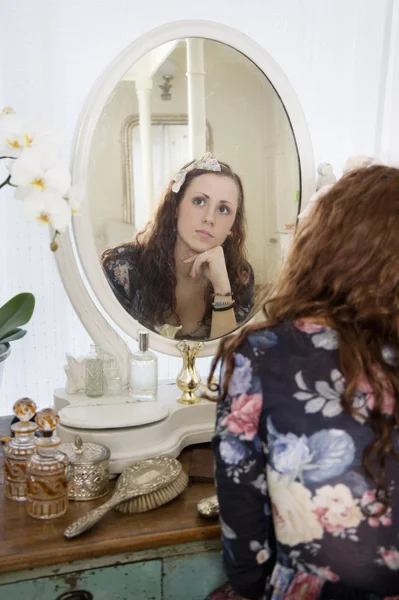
(154, 247)
(343, 268)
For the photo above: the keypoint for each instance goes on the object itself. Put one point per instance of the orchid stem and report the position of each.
(53, 244)
(7, 181)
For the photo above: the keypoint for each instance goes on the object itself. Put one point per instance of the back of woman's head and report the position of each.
(344, 260)
(343, 267)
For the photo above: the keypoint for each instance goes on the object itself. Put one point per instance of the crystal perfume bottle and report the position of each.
(143, 372)
(47, 471)
(113, 379)
(95, 372)
(19, 449)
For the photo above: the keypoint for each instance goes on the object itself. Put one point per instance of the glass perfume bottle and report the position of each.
(143, 372)
(47, 471)
(95, 372)
(113, 379)
(19, 449)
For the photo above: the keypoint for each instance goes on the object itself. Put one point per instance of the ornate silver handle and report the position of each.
(93, 516)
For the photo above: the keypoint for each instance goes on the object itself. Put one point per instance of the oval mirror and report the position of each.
(193, 185)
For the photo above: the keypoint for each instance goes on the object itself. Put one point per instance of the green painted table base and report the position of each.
(186, 572)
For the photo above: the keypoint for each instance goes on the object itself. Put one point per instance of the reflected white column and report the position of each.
(196, 97)
(143, 90)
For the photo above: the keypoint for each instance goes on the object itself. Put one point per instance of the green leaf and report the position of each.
(13, 335)
(16, 312)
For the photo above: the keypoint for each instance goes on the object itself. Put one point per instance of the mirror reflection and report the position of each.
(194, 188)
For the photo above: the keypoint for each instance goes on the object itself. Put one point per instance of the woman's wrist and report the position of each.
(221, 288)
(221, 283)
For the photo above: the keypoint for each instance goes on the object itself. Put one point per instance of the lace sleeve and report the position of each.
(118, 272)
(243, 310)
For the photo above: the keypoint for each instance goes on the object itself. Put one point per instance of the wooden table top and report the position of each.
(27, 543)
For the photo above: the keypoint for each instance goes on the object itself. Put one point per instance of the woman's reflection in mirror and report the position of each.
(186, 274)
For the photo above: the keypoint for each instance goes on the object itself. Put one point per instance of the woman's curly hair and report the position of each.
(343, 268)
(154, 249)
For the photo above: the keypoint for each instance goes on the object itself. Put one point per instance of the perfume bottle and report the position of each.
(143, 372)
(95, 372)
(113, 379)
(47, 471)
(19, 449)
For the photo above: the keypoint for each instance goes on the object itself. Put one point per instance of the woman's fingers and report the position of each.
(197, 265)
(213, 256)
(190, 259)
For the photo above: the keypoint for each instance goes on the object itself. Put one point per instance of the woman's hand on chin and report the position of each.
(212, 266)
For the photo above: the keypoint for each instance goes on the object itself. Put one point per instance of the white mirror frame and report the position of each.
(92, 317)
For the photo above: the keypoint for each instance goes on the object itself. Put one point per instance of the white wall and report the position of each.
(52, 51)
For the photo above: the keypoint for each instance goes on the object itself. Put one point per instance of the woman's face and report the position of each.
(207, 211)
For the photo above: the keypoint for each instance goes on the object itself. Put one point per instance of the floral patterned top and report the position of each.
(299, 516)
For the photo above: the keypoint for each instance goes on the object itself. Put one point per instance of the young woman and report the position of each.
(186, 275)
(306, 443)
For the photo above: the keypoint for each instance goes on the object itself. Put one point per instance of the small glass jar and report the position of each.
(19, 449)
(95, 372)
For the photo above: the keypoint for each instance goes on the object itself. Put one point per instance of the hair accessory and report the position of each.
(206, 163)
(222, 308)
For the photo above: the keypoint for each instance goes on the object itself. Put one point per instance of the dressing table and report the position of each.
(162, 554)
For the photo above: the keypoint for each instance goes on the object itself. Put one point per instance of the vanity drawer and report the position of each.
(138, 581)
(182, 577)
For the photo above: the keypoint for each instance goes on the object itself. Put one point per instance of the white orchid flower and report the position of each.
(49, 208)
(75, 197)
(18, 133)
(38, 171)
(10, 135)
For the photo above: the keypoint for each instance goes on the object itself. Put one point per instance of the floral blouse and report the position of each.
(299, 517)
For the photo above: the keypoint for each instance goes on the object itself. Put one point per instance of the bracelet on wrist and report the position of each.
(226, 295)
(219, 303)
(223, 307)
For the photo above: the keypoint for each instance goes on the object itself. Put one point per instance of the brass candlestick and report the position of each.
(188, 379)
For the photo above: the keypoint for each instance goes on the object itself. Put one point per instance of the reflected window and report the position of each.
(169, 153)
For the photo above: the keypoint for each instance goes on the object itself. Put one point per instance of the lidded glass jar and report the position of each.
(19, 449)
(47, 471)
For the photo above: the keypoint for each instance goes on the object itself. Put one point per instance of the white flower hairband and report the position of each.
(206, 163)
